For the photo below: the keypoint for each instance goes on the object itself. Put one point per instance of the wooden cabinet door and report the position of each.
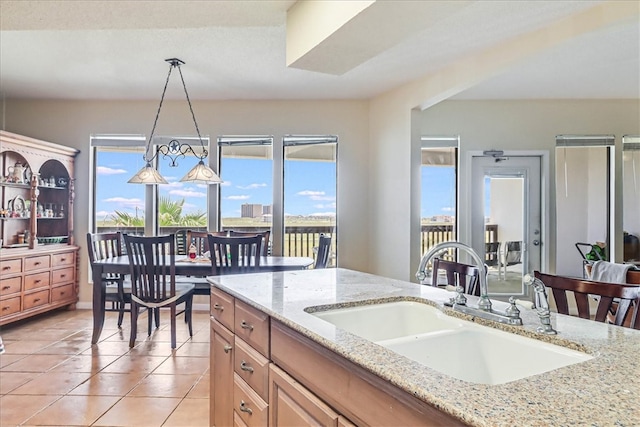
(221, 399)
(290, 404)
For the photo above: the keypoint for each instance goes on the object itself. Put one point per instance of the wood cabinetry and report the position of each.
(308, 384)
(33, 281)
(36, 192)
(39, 260)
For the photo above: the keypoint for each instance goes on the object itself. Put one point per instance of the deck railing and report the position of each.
(300, 241)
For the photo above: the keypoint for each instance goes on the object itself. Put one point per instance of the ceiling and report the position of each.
(236, 50)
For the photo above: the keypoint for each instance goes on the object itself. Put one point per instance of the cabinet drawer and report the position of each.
(248, 405)
(38, 280)
(10, 266)
(253, 327)
(10, 285)
(62, 293)
(58, 260)
(36, 262)
(222, 307)
(252, 367)
(9, 306)
(36, 299)
(63, 275)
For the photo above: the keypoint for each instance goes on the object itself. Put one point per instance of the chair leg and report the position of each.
(134, 324)
(188, 314)
(157, 316)
(120, 313)
(150, 316)
(173, 325)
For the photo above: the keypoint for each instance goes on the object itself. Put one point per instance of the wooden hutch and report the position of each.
(38, 258)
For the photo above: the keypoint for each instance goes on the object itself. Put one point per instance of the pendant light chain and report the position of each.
(205, 153)
(155, 122)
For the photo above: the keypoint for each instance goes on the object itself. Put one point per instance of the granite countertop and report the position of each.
(603, 391)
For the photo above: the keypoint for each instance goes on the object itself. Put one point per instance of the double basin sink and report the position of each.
(454, 347)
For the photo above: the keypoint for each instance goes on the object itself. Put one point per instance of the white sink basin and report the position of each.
(460, 349)
(377, 322)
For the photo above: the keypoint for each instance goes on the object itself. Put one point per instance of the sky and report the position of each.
(309, 186)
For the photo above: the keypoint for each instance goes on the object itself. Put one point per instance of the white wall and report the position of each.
(72, 122)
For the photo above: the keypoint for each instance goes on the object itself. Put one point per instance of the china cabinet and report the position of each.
(38, 255)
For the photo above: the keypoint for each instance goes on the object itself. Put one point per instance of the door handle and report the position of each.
(536, 242)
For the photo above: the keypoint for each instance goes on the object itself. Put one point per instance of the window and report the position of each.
(117, 206)
(143, 209)
(439, 182)
(246, 195)
(309, 193)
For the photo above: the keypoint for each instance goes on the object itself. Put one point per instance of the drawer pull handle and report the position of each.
(63, 259)
(245, 325)
(37, 263)
(62, 276)
(62, 293)
(5, 308)
(246, 367)
(36, 300)
(6, 268)
(4, 288)
(37, 281)
(218, 307)
(227, 348)
(245, 408)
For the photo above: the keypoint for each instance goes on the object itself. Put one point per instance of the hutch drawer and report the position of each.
(10, 285)
(37, 262)
(36, 299)
(35, 281)
(63, 275)
(9, 306)
(11, 266)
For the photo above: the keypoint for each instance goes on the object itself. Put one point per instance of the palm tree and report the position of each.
(169, 214)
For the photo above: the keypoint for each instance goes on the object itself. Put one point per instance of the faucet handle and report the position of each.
(512, 311)
(460, 299)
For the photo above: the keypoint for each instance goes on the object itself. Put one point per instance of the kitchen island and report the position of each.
(602, 391)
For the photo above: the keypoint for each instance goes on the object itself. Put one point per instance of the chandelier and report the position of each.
(175, 149)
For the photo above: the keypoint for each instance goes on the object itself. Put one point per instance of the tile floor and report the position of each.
(51, 375)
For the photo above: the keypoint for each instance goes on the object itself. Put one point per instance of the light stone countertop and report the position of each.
(603, 391)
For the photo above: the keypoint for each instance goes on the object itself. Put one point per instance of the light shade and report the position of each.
(203, 174)
(147, 175)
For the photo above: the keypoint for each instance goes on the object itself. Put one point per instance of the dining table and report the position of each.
(198, 267)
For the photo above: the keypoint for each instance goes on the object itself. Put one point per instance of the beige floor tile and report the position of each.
(8, 359)
(53, 383)
(66, 347)
(193, 349)
(108, 384)
(11, 380)
(108, 348)
(201, 389)
(135, 363)
(14, 410)
(183, 365)
(139, 412)
(74, 411)
(36, 363)
(190, 412)
(85, 363)
(25, 347)
(152, 348)
(158, 385)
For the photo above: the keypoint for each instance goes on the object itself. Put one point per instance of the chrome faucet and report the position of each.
(483, 310)
(541, 304)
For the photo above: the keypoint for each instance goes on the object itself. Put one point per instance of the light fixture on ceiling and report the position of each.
(175, 149)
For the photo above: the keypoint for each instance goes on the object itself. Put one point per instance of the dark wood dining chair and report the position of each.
(266, 235)
(457, 274)
(322, 251)
(153, 278)
(620, 299)
(118, 288)
(235, 254)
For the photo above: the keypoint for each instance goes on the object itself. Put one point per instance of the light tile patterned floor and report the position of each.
(51, 375)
